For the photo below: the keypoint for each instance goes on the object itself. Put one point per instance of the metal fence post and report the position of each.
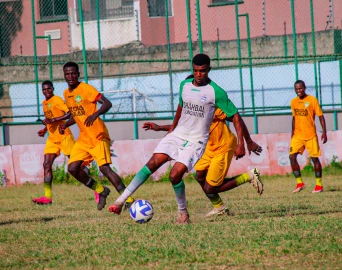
(294, 36)
(198, 9)
(35, 59)
(313, 38)
(239, 53)
(84, 52)
(169, 57)
(188, 17)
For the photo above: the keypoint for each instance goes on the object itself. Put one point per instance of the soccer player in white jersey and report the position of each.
(188, 136)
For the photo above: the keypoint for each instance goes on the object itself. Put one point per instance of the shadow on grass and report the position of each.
(43, 219)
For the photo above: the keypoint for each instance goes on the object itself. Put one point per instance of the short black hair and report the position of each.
(191, 76)
(201, 59)
(300, 81)
(47, 82)
(71, 64)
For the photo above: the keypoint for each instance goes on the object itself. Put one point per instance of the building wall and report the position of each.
(218, 23)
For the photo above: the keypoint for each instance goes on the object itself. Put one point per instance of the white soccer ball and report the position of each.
(141, 211)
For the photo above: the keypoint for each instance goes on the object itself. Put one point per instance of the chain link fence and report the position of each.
(137, 52)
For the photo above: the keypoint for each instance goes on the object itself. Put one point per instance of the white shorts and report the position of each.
(181, 150)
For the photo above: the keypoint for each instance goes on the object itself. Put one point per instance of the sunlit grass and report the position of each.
(276, 230)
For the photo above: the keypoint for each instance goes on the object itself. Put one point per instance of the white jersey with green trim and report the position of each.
(198, 106)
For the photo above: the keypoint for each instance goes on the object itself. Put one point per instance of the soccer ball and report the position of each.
(141, 211)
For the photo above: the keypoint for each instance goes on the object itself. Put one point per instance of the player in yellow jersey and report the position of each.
(212, 167)
(304, 109)
(93, 141)
(55, 112)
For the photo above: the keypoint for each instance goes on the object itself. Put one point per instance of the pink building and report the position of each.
(127, 21)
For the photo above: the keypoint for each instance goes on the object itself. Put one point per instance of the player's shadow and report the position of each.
(26, 220)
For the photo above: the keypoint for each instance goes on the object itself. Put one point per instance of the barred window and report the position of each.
(53, 9)
(108, 9)
(156, 8)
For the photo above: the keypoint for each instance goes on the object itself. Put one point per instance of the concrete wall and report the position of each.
(23, 70)
(124, 130)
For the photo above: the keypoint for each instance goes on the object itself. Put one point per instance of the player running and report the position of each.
(304, 108)
(188, 136)
(93, 141)
(55, 112)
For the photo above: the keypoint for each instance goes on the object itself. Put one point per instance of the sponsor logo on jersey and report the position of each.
(203, 98)
(193, 109)
(301, 112)
(77, 111)
(306, 104)
(49, 105)
(195, 90)
(78, 99)
(191, 160)
(48, 114)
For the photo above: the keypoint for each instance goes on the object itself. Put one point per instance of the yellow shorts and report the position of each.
(298, 146)
(100, 153)
(64, 146)
(217, 167)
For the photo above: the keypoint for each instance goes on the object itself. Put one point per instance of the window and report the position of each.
(53, 9)
(108, 9)
(156, 8)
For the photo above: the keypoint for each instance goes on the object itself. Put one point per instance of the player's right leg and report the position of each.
(202, 167)
(176, 174)
(79, 154)
(296, 147)
(155, 162)
(47, 198)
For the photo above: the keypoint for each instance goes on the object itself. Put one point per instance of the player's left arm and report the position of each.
(251, 145)
(105, 106)
(324, 137)
(318, 111)
(240, 149)
(226, 105)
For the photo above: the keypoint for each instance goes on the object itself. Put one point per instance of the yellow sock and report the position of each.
(319, 181)
(130, 199)
(299, 180)
(215, 200)
(243, 178)
(48, 190)
(97, 187)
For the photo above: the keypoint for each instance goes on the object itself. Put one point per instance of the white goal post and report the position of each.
(148, 103)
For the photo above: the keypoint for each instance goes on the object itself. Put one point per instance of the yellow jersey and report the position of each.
(53, 108)
(304, 111)
(82, 102)
(221, 139)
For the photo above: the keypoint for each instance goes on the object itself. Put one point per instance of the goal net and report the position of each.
(129, 104)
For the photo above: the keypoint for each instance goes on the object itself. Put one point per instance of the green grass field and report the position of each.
(278, 230)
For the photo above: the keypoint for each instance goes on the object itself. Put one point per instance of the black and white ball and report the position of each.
(141, 211)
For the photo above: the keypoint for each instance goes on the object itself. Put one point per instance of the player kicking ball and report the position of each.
(93, 141)
(304, 108)
(213, 166)
(188, 136)
(55, 112)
